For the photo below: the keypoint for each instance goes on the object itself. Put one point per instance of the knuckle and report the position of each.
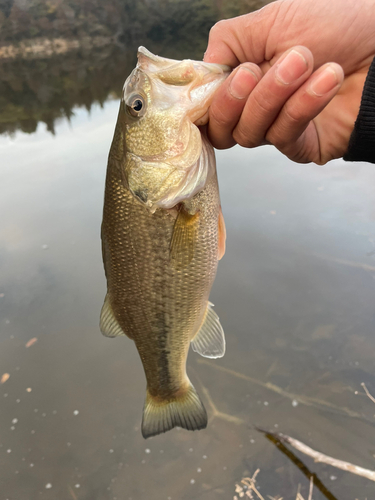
(291, 123)
(244, 139)
(280, 143)
(266, 106)
(278, 136)
(223, 142)
(217, 30)
(218, 117)
(323, 159)
(292, 116)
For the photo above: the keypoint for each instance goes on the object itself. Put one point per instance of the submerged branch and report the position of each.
(298, 463)
(349, 263)
(325, 459)
(304, 400)
(370, 396)
(248, 486)
(311, 488)
(72, 493)
(219, 414)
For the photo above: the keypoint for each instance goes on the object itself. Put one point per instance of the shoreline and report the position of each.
(46, 47)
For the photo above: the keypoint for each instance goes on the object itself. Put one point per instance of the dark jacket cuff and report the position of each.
(362, 141)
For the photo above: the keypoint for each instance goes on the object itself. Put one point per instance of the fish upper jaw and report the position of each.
(154, 63)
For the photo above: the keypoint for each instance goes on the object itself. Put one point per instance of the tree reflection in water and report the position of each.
(44, 89)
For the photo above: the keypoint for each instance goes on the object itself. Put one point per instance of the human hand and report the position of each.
(302, 67)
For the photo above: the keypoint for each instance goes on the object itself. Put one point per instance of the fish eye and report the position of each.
(136, 106)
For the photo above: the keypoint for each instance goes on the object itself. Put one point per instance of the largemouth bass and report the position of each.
(163, 232)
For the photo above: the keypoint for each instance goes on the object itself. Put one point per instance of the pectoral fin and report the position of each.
(109, 326)
(222, 236)
(209, 342)
(183, 240)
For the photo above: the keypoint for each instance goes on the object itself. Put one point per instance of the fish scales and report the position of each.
(159, 301)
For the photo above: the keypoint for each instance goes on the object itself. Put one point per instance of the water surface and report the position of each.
(295, 294)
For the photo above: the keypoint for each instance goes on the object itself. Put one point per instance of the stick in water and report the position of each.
(325, 459)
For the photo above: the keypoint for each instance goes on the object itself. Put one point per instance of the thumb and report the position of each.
(243, 38)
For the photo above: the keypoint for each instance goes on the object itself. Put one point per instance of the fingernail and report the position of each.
(242, 83)
(324, 82)
(291, 67)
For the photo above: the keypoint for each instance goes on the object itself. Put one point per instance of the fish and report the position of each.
(163, 232)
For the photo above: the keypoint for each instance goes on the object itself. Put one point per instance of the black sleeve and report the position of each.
(362, 141)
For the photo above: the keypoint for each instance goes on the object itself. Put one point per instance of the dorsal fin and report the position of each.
(209, 342)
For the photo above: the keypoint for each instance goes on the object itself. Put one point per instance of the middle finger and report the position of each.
(269, 96)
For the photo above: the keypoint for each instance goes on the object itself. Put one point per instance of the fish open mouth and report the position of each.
(201, 78)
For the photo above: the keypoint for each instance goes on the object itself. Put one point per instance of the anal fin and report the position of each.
(109, 326)
(209, 342)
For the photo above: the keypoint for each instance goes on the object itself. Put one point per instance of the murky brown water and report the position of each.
(295, 293)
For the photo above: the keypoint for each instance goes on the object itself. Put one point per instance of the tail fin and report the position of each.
(186, 411)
